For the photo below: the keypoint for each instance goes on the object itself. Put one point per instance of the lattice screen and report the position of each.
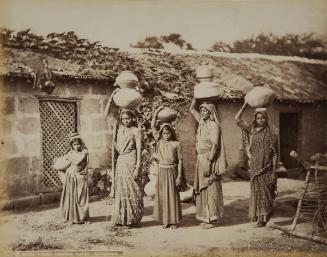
(58, 120)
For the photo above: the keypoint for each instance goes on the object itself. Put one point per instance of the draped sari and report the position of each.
(262, 148)
(128, 199)
(208, 189)
(74, 203)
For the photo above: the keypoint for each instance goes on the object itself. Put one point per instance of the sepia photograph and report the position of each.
(163, 128)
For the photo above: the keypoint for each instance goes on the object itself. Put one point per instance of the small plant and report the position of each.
(102, 182)
(37, 244)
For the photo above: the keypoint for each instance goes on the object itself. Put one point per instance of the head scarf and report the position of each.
(171, 128)
(221, 158)
(212, 110)
(262, 111)
(74, 136)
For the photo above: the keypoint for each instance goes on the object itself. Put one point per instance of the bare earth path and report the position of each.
(39, 229)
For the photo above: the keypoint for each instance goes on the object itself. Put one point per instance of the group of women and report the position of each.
(210, 165)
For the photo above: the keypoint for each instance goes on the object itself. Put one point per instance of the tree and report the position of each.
(149, 42)
(220, 47)
(159, 42)
(304, 45)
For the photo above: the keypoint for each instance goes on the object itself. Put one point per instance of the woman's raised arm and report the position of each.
(239, 114)
(238, 118)
(193, 111)
(107, 108)
(154, 119)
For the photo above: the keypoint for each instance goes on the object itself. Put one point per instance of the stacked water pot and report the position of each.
(207, 88)
(127, 96)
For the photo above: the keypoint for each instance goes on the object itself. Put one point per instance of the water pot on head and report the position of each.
(207, 88)
(260, 96)
(126, 79)
(204, 72)
(167, 114)
(127, 96)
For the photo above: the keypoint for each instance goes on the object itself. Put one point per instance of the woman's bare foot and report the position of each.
(173, 227)
(208, 226)
(261, 224)
(165, 226)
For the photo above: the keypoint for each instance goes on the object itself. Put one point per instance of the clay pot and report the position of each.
(239, 83)
(187, 196)
(150, 187)
(260, 96)
(61, 163)
(206, 90)
(204, 73)
(127, 98)
(126, 79)
(167, 114)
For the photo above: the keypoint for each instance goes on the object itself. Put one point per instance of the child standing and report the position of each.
(167, 205)
(74, 203)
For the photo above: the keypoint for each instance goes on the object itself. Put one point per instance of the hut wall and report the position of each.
(312, 128)
(21, 153)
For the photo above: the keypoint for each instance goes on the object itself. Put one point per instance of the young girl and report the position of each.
(74, 204)
(167, 205)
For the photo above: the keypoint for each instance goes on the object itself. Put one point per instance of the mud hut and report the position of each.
(35, 123)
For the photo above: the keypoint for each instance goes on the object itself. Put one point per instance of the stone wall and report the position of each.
(21, 156)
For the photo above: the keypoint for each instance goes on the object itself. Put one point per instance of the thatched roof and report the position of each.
(20, 63)
(293, 79)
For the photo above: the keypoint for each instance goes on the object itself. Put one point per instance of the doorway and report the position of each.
(289, 137)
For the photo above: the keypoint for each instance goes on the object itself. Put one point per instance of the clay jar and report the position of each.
(207, 89)
(167, 114)
(126, 79)
(204, 73)
(260, 96)
(127, 96)
(61, 163)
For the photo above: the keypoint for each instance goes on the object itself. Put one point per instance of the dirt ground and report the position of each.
(39, 229)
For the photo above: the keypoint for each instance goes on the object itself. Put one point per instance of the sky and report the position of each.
(202, 23)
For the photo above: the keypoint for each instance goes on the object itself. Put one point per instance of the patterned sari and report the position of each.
(262, 148)
(128, 198)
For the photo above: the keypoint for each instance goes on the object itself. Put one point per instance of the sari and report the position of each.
(208, 189)
(74, 202)
(128, 198)
(262, 148)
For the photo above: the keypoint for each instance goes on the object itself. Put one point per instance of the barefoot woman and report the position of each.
(263, 152)
(211, 164)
